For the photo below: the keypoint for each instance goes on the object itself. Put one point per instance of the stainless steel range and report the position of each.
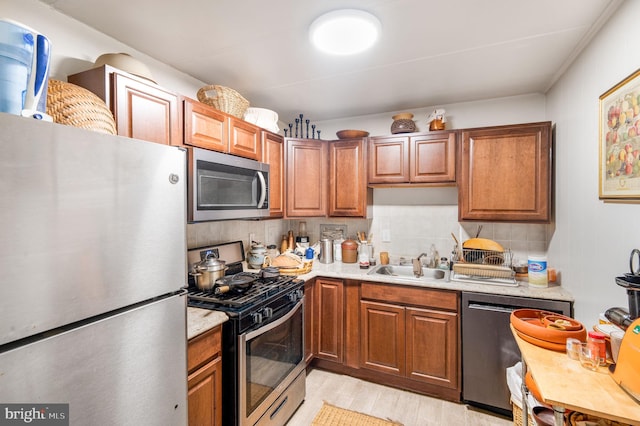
(263, 374)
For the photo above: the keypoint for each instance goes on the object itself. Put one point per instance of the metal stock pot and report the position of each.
(207, 272)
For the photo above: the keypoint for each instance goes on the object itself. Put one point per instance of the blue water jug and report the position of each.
(24, 70)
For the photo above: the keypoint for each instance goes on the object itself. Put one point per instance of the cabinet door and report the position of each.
(273, 155)
(244, 139)
(204, 395)
(204, 126)
(389, 159)
(306, 166)
(329, 312)
(145, 111)
(505, 174)
(432, 347)
(433, 158)
(347, 178)
(309, 322)
(383, 337)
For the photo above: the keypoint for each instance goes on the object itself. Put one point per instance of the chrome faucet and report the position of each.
(417, 266)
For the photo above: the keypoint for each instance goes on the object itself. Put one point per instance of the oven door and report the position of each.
(270, 359)
(223, 186)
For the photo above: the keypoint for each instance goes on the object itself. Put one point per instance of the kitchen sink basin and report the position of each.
(406, 272)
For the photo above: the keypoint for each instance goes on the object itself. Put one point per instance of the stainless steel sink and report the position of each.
(406, 272)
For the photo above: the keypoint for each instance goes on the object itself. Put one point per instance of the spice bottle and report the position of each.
(596, 341)
(284, 245)
(291, 241)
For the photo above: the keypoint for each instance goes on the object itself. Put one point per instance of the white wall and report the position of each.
(75, 46)
(490, 112)
(592, 239)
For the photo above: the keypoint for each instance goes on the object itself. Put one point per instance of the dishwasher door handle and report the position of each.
(492, 308)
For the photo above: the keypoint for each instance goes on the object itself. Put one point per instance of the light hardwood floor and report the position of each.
(405, 407)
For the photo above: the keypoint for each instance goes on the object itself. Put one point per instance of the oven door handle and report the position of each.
(263, 191)
(274, 324)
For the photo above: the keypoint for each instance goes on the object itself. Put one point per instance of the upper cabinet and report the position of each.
(306, 177)
(244, 139)
(427, 159)
(505, 173)
(348, 192)
(208, 128)
(273, 155)
(142, 109)
(204, 126)
(326, 178)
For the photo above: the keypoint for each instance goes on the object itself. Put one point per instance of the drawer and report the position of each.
(414, 296)
(203, 348)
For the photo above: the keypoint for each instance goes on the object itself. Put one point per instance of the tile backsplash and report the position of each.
(403, 231)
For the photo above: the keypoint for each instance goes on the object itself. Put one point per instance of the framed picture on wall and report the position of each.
(620, 140)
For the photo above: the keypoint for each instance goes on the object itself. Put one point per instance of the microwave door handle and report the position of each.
(263, 192)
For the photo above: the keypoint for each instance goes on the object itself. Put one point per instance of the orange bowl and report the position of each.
(351, 134)
(530, 322)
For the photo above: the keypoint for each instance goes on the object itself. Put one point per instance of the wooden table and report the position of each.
(564, 384)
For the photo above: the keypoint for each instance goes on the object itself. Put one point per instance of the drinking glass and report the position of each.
(588, 357)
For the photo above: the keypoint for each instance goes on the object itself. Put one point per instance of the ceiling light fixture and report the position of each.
(345, 32)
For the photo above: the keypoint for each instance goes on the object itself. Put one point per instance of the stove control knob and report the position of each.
(300, 293)
(293, 297)
(267, 312)
(257, 317)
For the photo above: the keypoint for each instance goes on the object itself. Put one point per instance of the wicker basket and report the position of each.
(76, 106)
(306, 268)
(517, 416)
(224, 99)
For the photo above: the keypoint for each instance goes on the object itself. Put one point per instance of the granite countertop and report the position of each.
(200, 320)
(353, 271)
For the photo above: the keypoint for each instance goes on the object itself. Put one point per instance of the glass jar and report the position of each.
(596, 341)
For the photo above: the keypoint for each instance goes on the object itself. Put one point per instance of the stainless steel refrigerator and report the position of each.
(92, 271)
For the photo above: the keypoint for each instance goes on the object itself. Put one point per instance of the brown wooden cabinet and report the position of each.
(329, 319)
(349, 195)
(410, 332)
(383, 337)
(204, 126)
(427, 159)
(142, 109)
(432, 158)
(389, 159)
(306, 177)
(309, 321)
(244, 139)
(204, 382)
(273, 155)
(505, 173)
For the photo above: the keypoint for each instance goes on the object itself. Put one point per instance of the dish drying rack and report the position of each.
(484, 267)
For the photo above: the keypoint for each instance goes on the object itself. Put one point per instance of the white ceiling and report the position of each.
(430, 53)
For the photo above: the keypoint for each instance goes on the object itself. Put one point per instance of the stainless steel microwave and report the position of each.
(223, 187)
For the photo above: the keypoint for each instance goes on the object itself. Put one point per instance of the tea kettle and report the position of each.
(24, 70)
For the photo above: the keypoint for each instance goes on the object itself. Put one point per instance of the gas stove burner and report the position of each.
(258, 292)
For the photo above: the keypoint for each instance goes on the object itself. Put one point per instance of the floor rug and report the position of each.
(330, 415)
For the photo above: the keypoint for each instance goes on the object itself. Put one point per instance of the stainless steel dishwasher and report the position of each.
(488, 347)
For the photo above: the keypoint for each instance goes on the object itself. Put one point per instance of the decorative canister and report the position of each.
(538, 275)
(349, 251)
(256, 256)
(403, 123)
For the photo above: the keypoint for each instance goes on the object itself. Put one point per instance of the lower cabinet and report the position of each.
(204, 365)
(309, 322)
(402, 336)
(329, 316)
(418, 344)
